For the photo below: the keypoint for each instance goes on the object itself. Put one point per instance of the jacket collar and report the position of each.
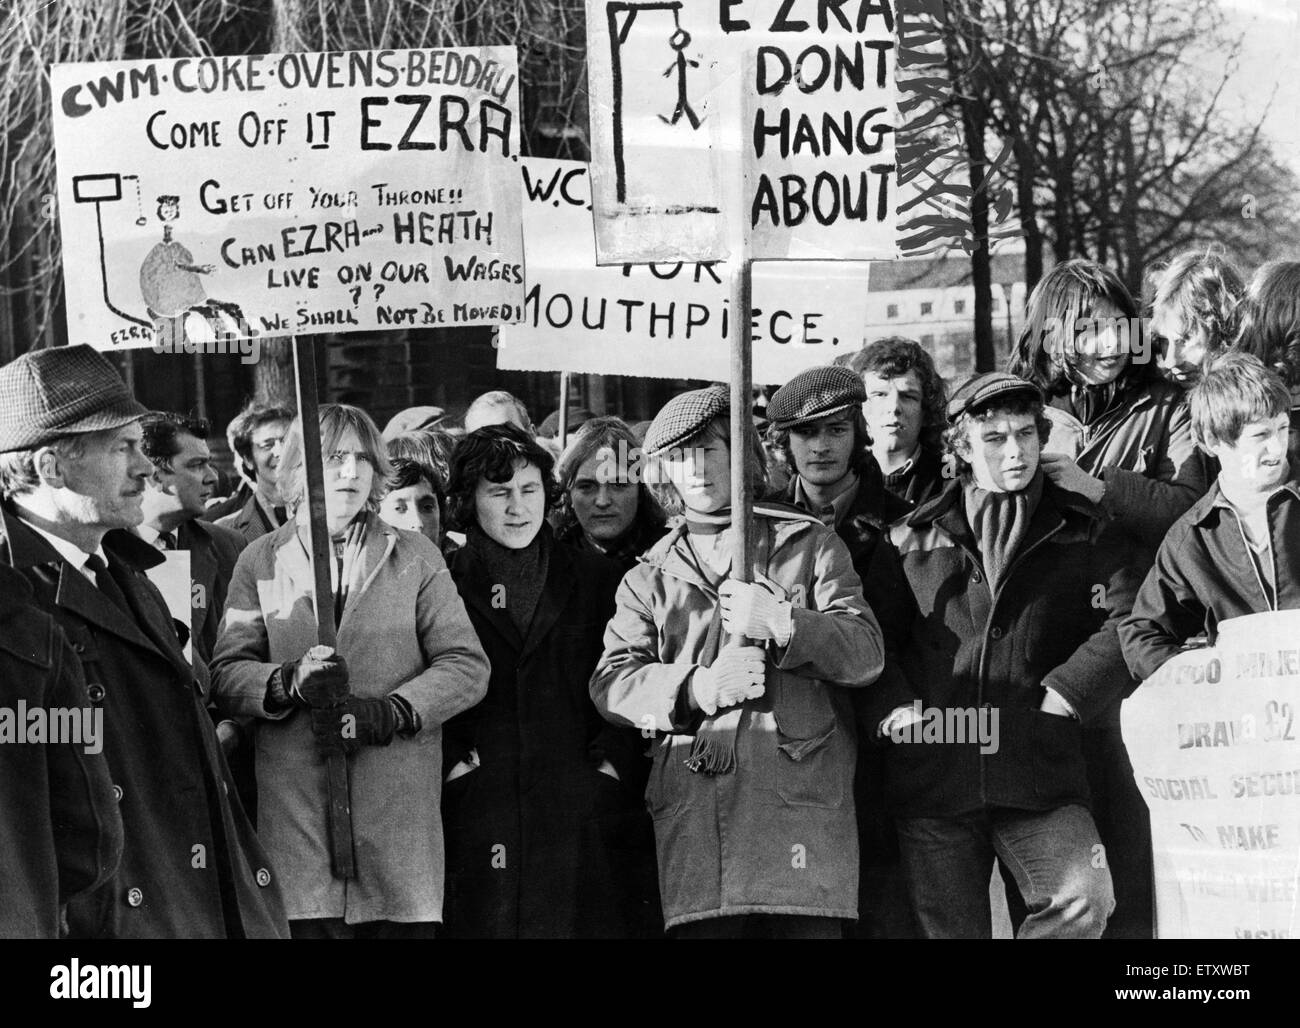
(292, 556)
(1214, 500)
(1055, 509)
(75, 593)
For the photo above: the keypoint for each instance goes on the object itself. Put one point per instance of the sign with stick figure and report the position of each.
(762, 127)
(208, 201)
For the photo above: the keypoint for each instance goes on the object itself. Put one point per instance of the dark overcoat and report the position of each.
(191, 865)
(60, 830)
(526, 830)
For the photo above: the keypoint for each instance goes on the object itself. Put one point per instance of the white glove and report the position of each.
(737, 674)
(754, 610)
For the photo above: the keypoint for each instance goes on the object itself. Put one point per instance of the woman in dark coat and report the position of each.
(534, 774)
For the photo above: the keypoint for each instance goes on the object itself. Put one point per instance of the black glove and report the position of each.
(319, 678)
(357, 723)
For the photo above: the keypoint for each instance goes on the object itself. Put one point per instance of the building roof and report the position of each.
(940, 273)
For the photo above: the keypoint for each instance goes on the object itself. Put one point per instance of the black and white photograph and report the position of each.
(526, 474)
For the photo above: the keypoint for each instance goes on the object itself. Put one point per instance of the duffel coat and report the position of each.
(527, 828)
(188, 843)
(777, 835)
(403, 631)
(1052, 622)
(60, 829)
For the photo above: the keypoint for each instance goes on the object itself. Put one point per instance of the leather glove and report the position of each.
(319, 678)
(754, 610)
(356, 723)
(737, 674)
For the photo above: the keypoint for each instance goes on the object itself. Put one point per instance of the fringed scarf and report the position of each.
(714, 750)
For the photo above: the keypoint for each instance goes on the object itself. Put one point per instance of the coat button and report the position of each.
(134, 897)
(995, 632)
(117, 793)
(78, 647)
(976, 577)
(263, 877)
(96, 692)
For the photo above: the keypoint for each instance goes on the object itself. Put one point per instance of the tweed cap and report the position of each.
(66, 390)
(814, 394)
(982, 389)
(683, 416)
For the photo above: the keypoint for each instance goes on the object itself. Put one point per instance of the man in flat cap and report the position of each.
(817, 425)
(746, 687)
(1013, 642)
(72, 475)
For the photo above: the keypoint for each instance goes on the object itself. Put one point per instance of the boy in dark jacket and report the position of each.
(1237, 551)
(1012, 644)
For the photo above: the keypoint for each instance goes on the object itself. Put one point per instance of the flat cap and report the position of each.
(66, 390)
(814, 394)
(983, 389)
(412, 419)
(683, 416)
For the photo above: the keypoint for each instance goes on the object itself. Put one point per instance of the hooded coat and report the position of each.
(777, 835)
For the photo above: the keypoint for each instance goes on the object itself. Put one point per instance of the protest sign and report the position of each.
(758, 124)
(667, 320)
(205, 199)
(1213, 741)
(819, 161)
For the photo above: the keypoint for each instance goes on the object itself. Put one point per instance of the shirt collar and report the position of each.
(70, 552)
(148, 533)
(904, 469)
(830, 514)
(1217, 499)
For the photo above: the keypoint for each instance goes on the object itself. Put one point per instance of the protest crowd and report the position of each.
(561, 712)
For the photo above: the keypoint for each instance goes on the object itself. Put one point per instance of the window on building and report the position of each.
(959, 307)
(926, 309)
(927, 342)
(891, 311)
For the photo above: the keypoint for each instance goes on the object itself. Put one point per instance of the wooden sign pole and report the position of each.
(342, 856)
(742, 428)
(563, 433)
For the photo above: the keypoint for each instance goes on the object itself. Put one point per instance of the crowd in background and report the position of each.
(562, 711)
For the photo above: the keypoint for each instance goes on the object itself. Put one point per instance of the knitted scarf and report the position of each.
(521, 572)
(1000, 521)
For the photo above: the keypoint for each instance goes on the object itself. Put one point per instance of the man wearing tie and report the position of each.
(72, 473)
(175, 494)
